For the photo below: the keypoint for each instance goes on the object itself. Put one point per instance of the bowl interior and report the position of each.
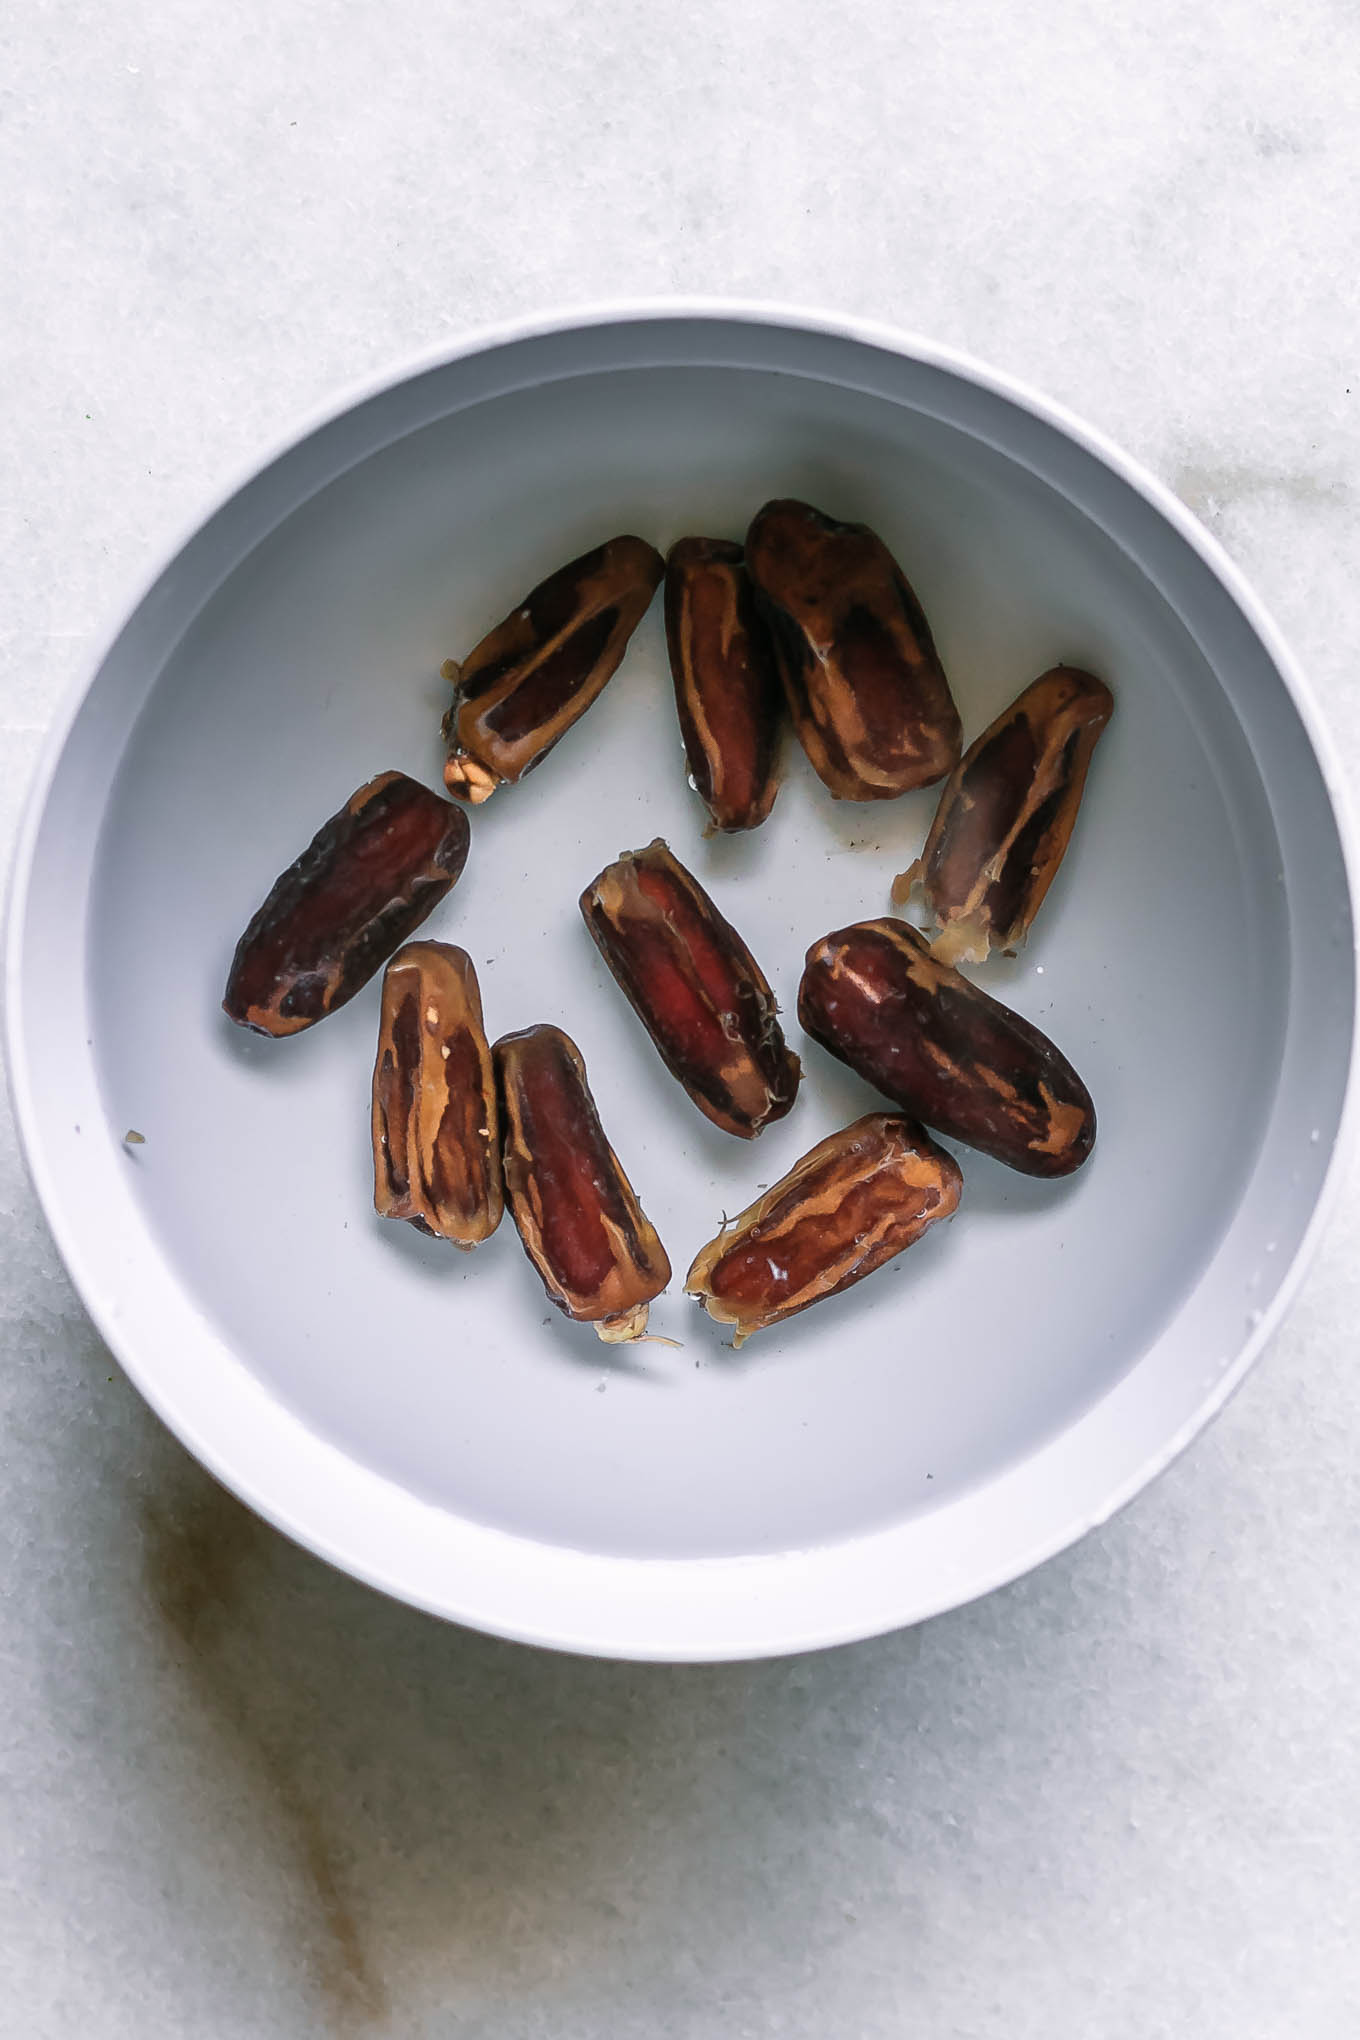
(316, 664)
(1193, 961)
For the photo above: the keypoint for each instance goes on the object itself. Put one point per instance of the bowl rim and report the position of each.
(701, 1641)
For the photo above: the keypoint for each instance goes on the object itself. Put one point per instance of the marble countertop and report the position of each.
(242, 1795)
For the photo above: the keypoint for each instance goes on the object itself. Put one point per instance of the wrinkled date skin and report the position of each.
(364, 883)
(530, 679)
(940, 1048)
(860, 1197)
(1006, 816)
(696, 988)
(864, 683)
(578, 1216)
(436, 1124)
(727, 690)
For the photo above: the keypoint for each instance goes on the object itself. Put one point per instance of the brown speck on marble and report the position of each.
(340, 1965)
(201, 1550)
(194, 1550)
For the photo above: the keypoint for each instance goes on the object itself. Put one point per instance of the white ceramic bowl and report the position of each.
(422, 1418)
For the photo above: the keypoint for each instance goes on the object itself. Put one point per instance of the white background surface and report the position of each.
(239, 1795)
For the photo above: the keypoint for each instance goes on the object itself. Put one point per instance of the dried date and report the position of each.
(436, 1124)
(1006, 816)
(364, 883)
(864, 684)
(727, 691)
(942, 1050)
(530, 678)
(696, 988)
(857, 1199)
(578, 1216)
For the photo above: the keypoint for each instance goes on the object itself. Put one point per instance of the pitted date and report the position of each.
(1006, 816)
(942, 1050)
(865, 687)
(530, 678)
(727, 691)
(852, 1203)
(696, 988)
(436, 1124)
(364, 883)
(578, 1216)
